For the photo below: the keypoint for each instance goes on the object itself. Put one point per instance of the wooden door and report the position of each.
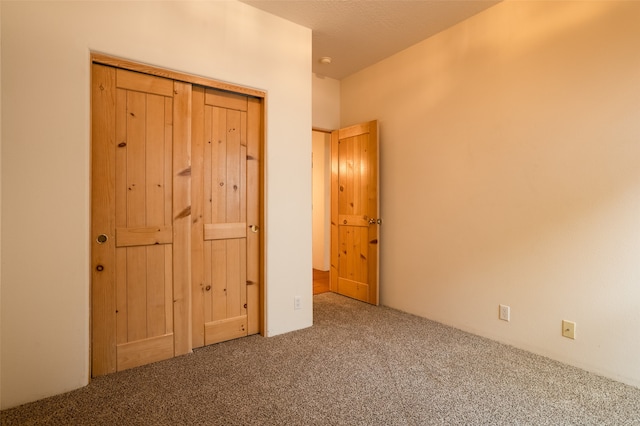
(355, 212)
(225, 230)
(140, 219)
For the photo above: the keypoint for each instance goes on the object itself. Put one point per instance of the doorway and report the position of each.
(321, 166)
(354, 219)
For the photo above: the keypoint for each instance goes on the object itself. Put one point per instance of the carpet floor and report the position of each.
(358, 365)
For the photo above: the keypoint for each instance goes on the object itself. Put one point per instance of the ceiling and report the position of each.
(359, 33)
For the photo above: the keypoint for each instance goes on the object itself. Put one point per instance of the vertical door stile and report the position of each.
(253, 279)
(103, 271)
(199, 140)
(182, 101)
(207, 195)
(168, 212)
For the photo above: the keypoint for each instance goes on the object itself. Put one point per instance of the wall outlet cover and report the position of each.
(569, 329)
(504, 313)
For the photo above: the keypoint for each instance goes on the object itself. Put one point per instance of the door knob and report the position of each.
(254, 228)
(373, 221)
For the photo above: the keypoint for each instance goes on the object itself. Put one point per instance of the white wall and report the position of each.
(326, 116)
(45, 161)
(326, 103)
(321, 145)
(510, 153)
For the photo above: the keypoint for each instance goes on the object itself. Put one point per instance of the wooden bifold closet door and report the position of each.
(175, 190)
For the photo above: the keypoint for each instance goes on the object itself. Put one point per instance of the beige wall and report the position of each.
(45, 161)
(325, 116)
(321, 145)
(326, 103)
(510, 153)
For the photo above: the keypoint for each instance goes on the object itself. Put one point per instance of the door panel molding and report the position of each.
(145, 351)
(226, 329)
(224, 231)
(127, 237)
(182, 217)
(143, 82)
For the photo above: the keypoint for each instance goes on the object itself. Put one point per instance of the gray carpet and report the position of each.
(358, 365)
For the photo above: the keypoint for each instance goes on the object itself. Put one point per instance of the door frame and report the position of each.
(99, 58)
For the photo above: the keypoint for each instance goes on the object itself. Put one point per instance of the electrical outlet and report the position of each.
(569, 329)
(504, 313)
(297, 303)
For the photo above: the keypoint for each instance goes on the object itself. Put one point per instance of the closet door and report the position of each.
(225, 231)
(140, 224)
(175, 248)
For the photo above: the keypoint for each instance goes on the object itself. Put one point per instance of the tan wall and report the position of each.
(45, 161)
(321, 143)
(326, 116)
(326, 103)
(510, 174)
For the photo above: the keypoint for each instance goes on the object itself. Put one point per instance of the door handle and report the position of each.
(254, 228)
(373, 221)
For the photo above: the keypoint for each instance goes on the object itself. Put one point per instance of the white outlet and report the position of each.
(297, 303)
(505, 313)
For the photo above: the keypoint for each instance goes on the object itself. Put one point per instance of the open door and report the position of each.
(354, 212)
